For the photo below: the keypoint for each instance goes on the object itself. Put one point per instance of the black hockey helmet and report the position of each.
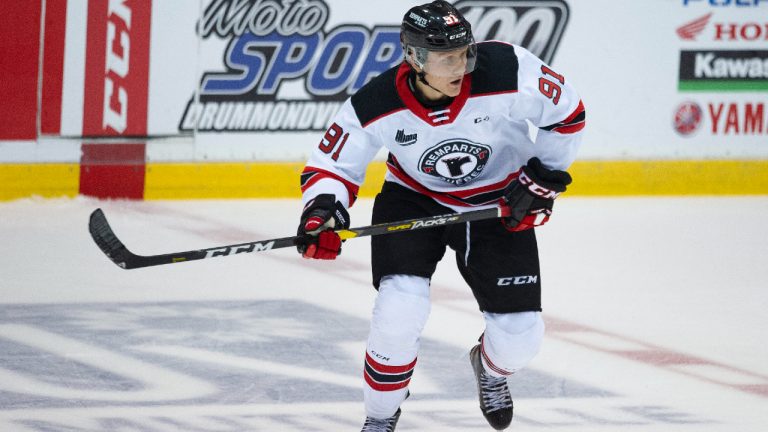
(436, 26)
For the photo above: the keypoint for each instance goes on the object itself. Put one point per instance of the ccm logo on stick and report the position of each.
(231, 250)
(517, 280)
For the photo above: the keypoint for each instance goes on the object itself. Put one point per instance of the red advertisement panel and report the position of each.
(112, 170)
(19, 55)
(115, 98)
(53, 65)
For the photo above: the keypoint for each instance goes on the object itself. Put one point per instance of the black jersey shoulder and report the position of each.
(378, 97)
(496, 69)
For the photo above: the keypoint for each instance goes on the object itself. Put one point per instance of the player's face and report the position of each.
(447, 63)
(445, 70)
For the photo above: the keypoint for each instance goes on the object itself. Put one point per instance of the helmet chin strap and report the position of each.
(422, 76)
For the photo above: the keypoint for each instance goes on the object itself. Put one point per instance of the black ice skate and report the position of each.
(495, 400)
(381, 425)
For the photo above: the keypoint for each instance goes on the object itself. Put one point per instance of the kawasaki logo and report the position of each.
(710, 66)
(723, 70)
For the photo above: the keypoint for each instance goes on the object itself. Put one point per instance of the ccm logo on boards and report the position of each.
(117, 62)
(116, 68)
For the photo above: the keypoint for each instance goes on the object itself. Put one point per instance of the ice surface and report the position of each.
(655, 310)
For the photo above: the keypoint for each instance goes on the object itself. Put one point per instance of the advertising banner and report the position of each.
(273, 74)
(723, 72)
(681, 79)
(259, 81)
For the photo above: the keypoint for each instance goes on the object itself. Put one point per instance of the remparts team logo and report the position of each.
(456, 161)
(284, 69)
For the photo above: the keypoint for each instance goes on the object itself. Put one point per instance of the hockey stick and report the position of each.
(113, 248)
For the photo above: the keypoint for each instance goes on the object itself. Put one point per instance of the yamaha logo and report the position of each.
(456, 161)
(688, 117)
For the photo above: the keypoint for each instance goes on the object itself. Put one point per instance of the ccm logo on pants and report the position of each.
(517, 280)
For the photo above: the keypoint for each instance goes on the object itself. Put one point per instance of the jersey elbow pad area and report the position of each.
(311, 175)
(575, 122)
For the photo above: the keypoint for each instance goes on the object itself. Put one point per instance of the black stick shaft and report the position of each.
(113, 248)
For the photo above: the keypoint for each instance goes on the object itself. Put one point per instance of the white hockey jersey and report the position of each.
(464, 154)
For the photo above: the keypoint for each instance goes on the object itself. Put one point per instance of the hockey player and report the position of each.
(454, 117)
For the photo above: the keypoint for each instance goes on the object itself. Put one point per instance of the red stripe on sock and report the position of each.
(490, 364)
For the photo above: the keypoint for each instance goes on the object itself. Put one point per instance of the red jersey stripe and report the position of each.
(569, 129)
(352, 188)
(579, 109)
(454, 198)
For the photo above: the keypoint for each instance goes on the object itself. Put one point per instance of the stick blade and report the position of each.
(107, 241)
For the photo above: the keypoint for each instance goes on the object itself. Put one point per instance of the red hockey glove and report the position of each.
(318, 220)
(531, 196)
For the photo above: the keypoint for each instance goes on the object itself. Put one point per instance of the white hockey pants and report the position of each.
(400, 312)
